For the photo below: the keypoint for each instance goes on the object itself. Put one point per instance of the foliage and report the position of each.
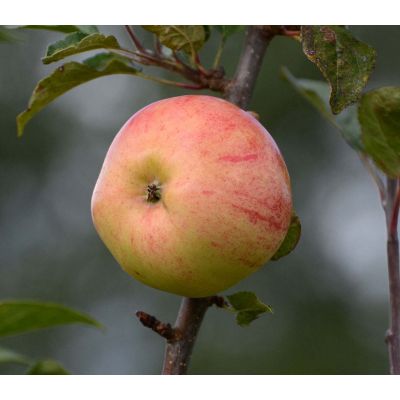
(369, 123)
(188, 38)
(21, 316)
(317, 93)
(247, 307)
(345, 62)
(70, 75)
(47, 367)
(379, 114)
(291, 239)
(78, 42)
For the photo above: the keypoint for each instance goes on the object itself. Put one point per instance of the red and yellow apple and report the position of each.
(193, 196)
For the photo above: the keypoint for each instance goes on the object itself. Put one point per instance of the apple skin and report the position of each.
(225, 202)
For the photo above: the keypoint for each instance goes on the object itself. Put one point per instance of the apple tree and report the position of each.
(368, 121)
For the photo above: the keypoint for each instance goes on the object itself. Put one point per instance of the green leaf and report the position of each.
(20, 316)
(88, 29)
(78, 42)
(70, 75)
(47, 367)
(188, 38)
(247, 306)
(291, 239)
(345, 62)
(228, 30)
(317, 93)
(5, 35)
(379, 115)
(10, 356)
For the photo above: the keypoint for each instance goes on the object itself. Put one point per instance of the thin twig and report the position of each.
(168, 82)
(375, 177)
(134, 38)
(218, 54)
(392, 211)
(162, 329)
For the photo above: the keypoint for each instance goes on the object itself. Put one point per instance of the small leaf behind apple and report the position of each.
(291, 239)
(247, 307)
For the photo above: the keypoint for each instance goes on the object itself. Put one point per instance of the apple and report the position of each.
(193, 196)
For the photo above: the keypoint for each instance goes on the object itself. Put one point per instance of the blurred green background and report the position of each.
(329, 296)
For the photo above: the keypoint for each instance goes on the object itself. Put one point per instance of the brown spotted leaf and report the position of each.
(345, 62)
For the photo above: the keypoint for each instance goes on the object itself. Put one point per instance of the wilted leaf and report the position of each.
(69, 76)
(22, 316)
(291, 239)
(10, 356)
(78, 42)
(317, 93)
(345, 62)
(247, 306)
(88, 29)
(47, 367)
(379, 115)
(188, 38)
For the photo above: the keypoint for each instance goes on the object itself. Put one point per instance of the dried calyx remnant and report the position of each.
(153, 192)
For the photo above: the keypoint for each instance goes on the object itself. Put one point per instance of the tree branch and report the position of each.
(391, 207)
(178, 352)
(240, 89)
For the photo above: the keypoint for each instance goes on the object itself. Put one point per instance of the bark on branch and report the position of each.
(391, 207)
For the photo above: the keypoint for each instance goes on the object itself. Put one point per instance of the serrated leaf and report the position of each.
(317, 93)
(10, 356)
(188, 38)
(379, 115)
(228, 30)
(291, 239)
(78, 42)
(70, 75)
(20, 316)
(345, 62)
(88, 29)
(47, 367)
(247, 307)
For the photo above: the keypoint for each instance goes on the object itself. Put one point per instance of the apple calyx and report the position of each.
(154, 192)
